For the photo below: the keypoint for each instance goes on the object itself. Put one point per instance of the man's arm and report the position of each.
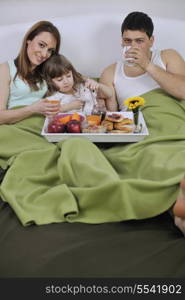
(173, 79)
(103, 90)
(107, 78)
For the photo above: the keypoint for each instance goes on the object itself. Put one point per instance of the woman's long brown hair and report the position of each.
(22, 61)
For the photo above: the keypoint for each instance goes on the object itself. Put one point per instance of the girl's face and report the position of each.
(40, 48)
(64, 83)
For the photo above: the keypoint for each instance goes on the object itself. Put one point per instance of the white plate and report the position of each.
(101, 137)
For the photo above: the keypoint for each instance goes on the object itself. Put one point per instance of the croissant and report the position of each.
(120, 125)
(107, 124)
(125, 129)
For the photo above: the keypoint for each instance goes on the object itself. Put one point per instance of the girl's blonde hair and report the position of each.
(22, 61)
(57, 66)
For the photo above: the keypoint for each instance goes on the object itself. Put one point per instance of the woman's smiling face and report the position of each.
(40, 48)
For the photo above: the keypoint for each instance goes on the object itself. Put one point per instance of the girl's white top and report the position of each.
(83, 94)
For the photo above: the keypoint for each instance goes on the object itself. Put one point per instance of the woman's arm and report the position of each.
(4, 85)
(10, 116)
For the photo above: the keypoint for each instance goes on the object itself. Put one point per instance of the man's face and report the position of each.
(137, 39)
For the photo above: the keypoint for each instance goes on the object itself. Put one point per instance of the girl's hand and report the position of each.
(92, 84)
(44, 107)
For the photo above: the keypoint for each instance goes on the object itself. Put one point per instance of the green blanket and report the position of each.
(78, 181)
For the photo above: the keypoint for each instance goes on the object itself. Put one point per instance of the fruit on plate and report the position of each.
(93, 119)
(76, 116)
(73, 126)
(63, 119)
(54, 127)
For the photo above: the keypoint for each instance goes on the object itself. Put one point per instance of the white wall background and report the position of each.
(13, 11)
(90, 36)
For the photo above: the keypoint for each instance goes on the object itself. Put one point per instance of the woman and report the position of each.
(21, 80)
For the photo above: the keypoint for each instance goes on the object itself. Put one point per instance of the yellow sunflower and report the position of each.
(134, 102)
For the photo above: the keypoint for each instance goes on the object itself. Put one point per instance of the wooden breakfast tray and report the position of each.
(101, 137)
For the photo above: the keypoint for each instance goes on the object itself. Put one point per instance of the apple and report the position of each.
(58, 118)
(56, 128)
(74, 126)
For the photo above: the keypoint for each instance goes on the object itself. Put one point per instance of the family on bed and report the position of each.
(39, 71)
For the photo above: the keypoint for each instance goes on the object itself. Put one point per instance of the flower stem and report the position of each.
(136, 116)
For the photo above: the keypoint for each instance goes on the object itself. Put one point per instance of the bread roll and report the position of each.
(124, 129)
(107, 124)
(114, 117)
(93, 119)
(121, 125)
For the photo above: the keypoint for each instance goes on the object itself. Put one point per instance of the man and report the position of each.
(152, 69)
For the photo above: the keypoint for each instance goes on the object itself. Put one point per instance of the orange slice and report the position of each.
(64, 119)
(93, 119)
(76, 116)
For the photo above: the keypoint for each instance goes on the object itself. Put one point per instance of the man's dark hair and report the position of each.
(138, 21)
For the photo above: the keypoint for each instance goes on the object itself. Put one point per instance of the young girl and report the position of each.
(75, 92)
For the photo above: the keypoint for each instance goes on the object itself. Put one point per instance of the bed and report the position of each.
(40, 237)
